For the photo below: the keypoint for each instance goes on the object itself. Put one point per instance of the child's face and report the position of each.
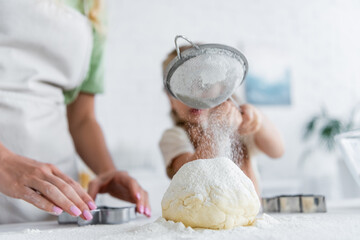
(188, 114)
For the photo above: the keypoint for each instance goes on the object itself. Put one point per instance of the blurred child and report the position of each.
(205, 133)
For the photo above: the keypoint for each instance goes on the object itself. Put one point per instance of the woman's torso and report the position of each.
(45, 48)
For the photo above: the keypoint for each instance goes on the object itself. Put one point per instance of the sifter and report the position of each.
(205, 75)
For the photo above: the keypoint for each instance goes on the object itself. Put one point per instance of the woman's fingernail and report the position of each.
(148, 212)
(138, 196)
(75, 211)
(57, 210)
(87, 215)
(92, 205)
(141, 209)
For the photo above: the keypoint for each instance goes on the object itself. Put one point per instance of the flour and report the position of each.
(162, 229)
(206, 70)
(282, 227)
(31, 231)
(159, 229)
(222, 139)
(207, 80)
(222, 136)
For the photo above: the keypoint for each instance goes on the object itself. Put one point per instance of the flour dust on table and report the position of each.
(163, 229)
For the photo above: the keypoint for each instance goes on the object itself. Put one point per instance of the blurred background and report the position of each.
(306, 51)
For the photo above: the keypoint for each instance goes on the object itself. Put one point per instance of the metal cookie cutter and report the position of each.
(102, 215)
(294, 204)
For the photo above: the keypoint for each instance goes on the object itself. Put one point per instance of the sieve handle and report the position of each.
(236, 105)
(186, 39)
(234, 102)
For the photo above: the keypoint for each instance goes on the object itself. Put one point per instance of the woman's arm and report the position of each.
(87, 134)
(90, 145)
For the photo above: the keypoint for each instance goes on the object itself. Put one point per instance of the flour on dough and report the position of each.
(211, 193)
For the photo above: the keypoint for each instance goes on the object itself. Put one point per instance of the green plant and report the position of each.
(326, 127)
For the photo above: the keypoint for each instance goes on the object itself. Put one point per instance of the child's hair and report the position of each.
(94, 11)
(94, 14)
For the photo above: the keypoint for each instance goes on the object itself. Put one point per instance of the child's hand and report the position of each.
(226, 115)
(251, 120)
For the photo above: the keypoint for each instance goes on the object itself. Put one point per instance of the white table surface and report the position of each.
(342, 221)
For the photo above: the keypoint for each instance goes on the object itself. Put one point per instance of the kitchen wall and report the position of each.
(321, 40)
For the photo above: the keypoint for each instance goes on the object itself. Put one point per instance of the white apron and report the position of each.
(45, 47)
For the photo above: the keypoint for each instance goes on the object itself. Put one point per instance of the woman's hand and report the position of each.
(120, 185)
(90, 144)
(251, 120)
(42, 185)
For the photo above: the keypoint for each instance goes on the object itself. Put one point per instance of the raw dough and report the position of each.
(211, 193)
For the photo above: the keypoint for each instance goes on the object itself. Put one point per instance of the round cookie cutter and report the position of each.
(102, 215)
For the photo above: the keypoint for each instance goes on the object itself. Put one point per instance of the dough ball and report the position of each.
(211, 193)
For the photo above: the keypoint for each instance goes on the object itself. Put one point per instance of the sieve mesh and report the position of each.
(208, 79)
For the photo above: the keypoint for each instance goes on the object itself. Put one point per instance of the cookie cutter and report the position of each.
(102, 215)
(294, 204)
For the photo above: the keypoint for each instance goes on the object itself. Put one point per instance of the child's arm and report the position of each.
(267, 138)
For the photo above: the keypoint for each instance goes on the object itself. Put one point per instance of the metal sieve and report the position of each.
(205, 75)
